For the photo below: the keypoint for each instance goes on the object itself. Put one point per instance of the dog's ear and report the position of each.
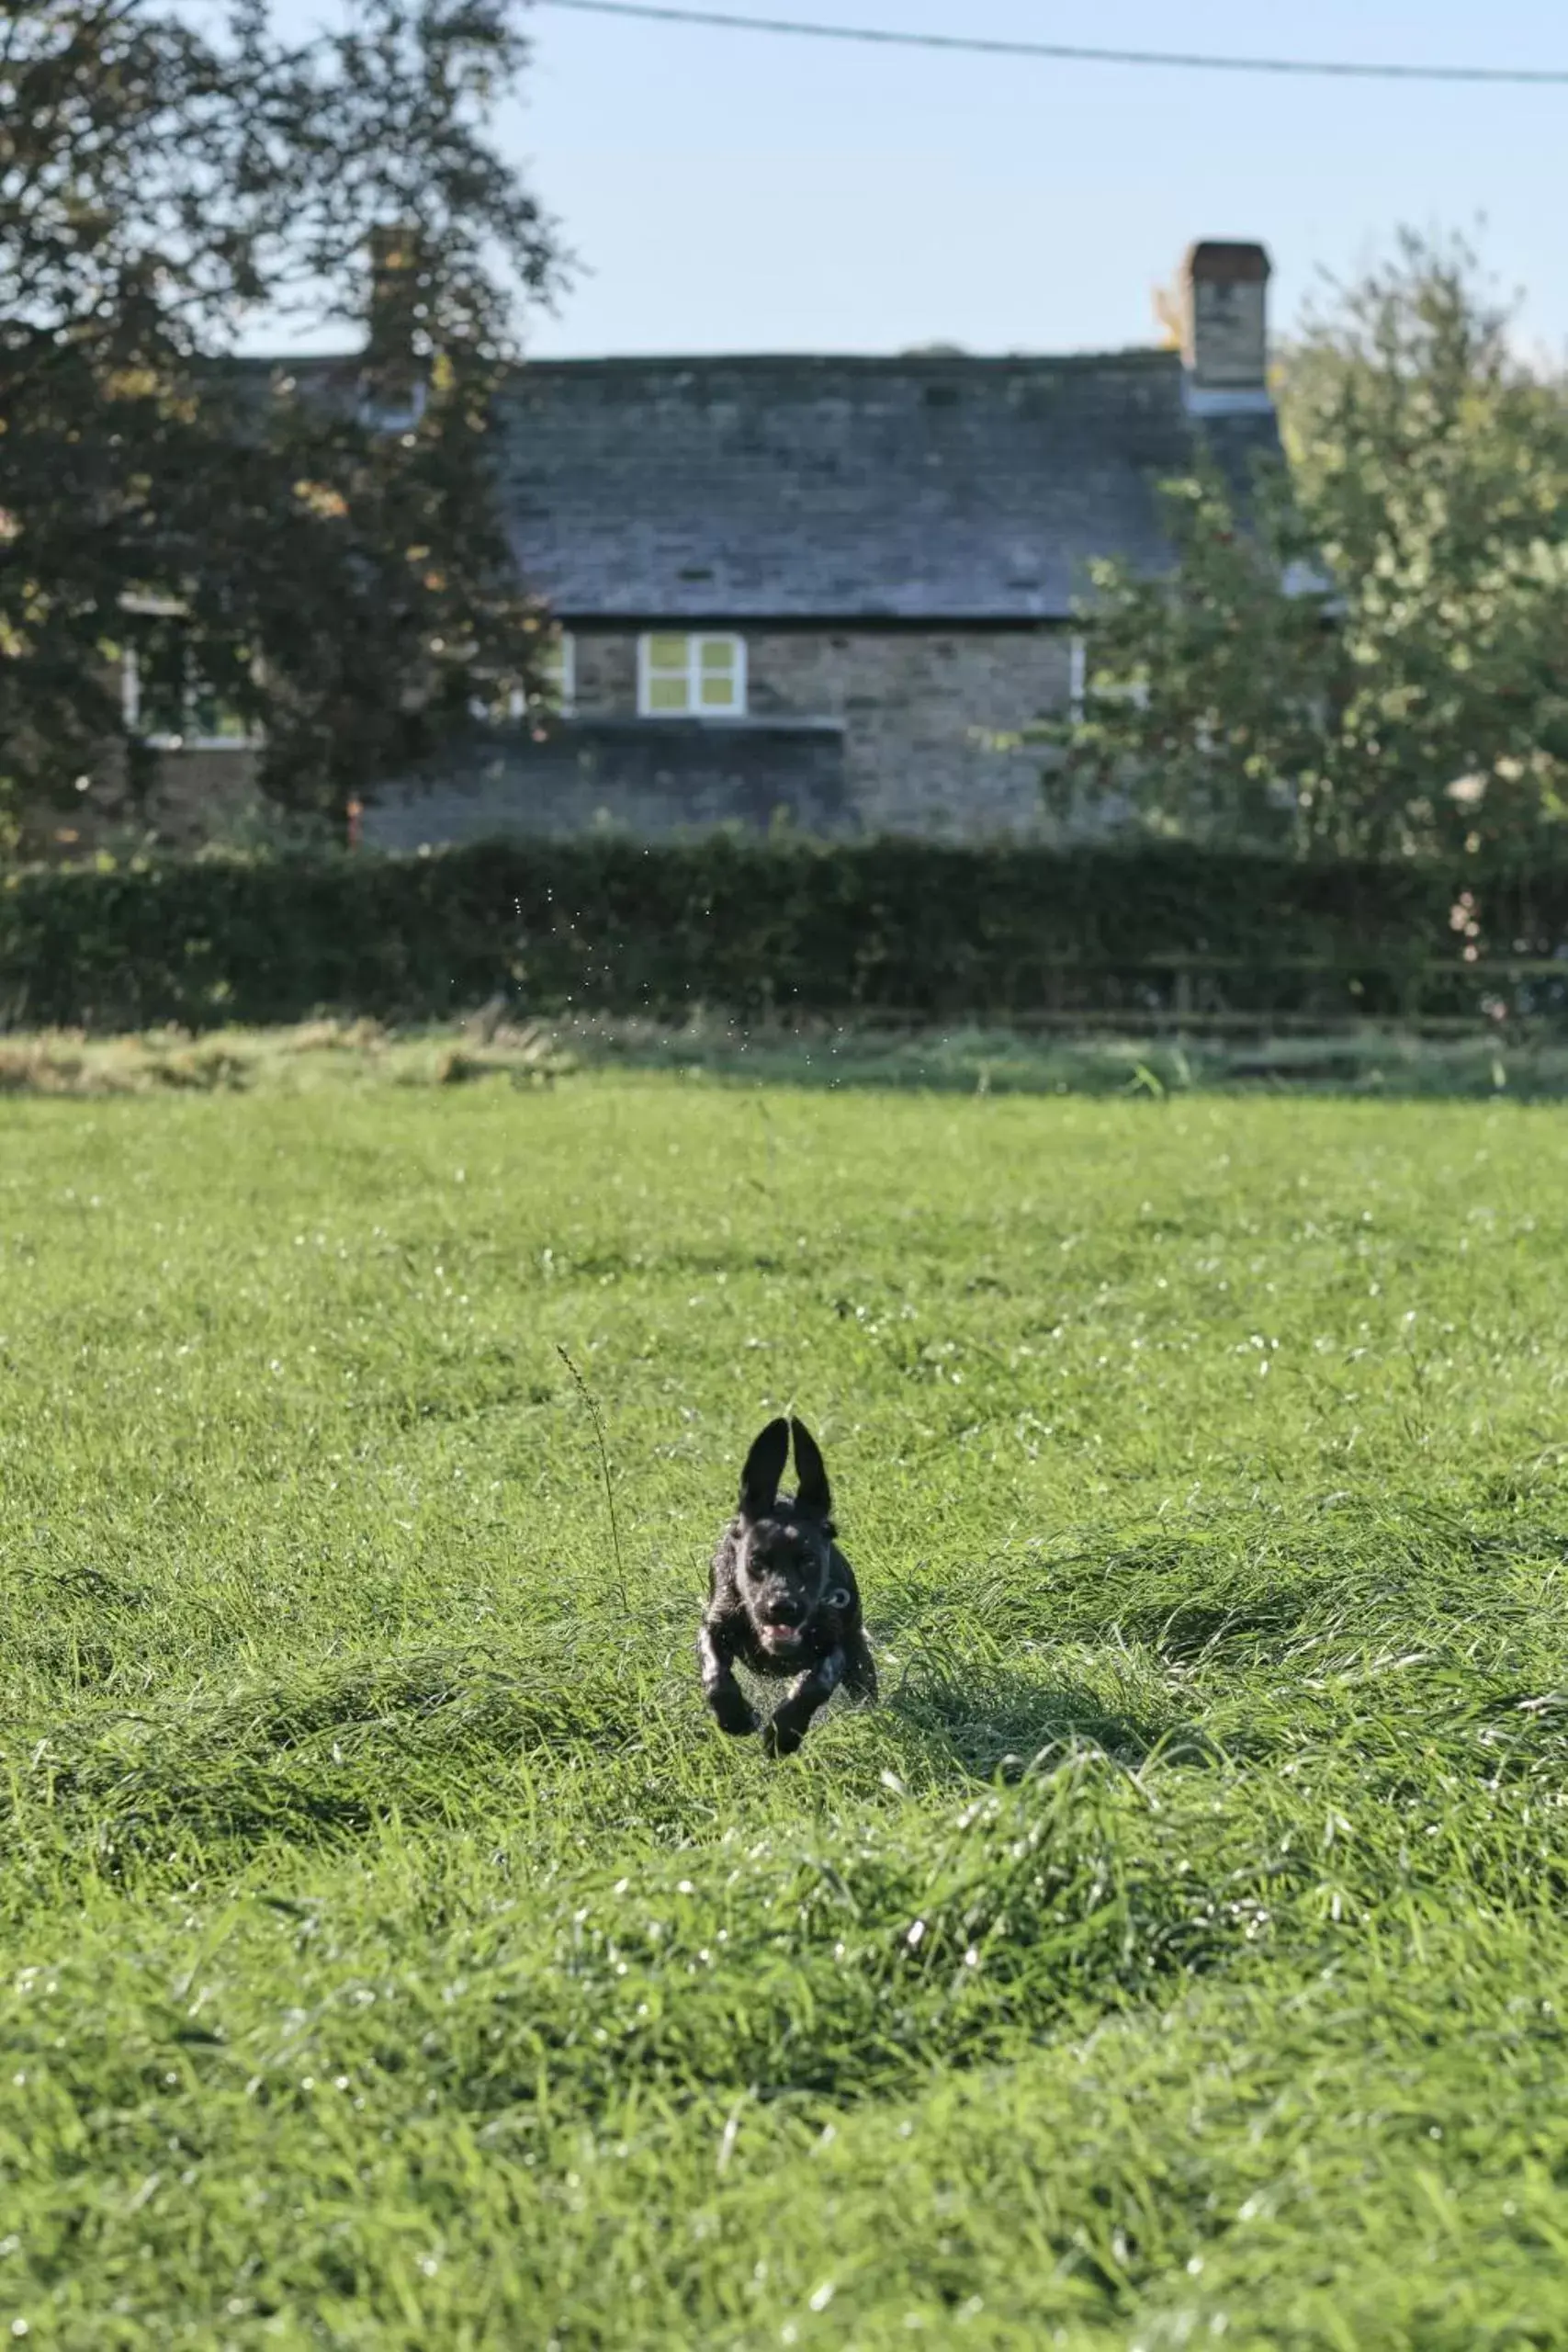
(811, 1473)
(764, 1468)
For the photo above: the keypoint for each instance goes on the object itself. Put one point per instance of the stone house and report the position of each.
(826, 589)
(828, 586)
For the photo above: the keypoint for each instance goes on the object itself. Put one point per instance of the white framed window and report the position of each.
(171, 706)
(1137, 693)
(684, 676)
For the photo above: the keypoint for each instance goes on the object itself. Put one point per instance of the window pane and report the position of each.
(669, 694)
(667, 653)
(552, 674)
(161, 689)
(718, 693)
(210, 715)
(719, 655)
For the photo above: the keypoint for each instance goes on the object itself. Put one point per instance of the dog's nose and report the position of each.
(786, 1611)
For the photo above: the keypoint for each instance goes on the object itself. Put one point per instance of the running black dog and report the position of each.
(782, 1598)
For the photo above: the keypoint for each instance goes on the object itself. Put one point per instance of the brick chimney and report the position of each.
(395, 308)
(1226, 326)
(392, 385)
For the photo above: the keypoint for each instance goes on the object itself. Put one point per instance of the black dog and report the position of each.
(782, 1598)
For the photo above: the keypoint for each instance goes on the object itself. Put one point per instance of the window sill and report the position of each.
(200, 742)
(631, 724)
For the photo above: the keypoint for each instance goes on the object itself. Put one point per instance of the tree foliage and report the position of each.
(166, 188)
(1374, 655)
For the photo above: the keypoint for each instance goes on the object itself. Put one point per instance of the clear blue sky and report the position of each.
(737, 191)
(733, 191)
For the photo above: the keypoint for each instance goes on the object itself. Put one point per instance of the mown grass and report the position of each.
(395, 1957)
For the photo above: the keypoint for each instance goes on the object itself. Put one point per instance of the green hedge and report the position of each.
(898, 927)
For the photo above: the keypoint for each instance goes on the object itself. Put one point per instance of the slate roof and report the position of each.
(922, 488)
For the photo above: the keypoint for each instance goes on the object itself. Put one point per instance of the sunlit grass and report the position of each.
(395, 1956)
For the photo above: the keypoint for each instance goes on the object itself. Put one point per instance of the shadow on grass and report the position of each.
(996, 1722)
(325, 1756)
(1374, 1063)
(1187, 1631)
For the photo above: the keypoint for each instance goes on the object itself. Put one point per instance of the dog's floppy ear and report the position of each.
(764, 1468)
(811, 1472)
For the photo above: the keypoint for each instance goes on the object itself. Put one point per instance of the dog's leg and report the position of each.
(860, 1668)
(805, 1694)
(732, 1709)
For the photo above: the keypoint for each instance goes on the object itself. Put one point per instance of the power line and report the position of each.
(1339, 70)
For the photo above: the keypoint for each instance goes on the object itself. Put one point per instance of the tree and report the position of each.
(1372, 654)
(344, 585)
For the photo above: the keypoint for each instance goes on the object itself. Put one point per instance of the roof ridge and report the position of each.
(1132, 355)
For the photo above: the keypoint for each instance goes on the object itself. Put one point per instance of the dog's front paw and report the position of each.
(782, 1736)
(733, 1712)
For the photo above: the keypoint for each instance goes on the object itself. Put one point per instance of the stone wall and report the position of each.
(921, 711)
(892, 730)
(198, 794)
(193, 797)
(636, 776)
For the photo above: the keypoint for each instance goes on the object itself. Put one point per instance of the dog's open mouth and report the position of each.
(777, 1637)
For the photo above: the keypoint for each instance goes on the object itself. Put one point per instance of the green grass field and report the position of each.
(394, 1956)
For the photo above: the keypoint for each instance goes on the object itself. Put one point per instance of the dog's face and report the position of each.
(782, 1564)
(783, 1547)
